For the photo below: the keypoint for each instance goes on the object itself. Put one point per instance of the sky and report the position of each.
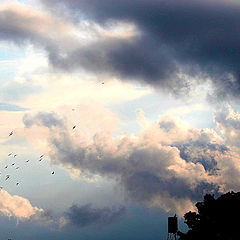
(115, 114)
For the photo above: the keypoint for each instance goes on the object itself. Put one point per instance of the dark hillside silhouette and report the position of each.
(217, 219)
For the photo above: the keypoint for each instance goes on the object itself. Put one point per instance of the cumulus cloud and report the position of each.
(82, 216)
(167, 164)
(16, 206)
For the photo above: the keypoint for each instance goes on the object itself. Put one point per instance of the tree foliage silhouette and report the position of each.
(217, 219)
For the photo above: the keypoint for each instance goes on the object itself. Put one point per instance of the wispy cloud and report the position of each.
(10, 107)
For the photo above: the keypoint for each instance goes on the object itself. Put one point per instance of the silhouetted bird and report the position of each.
(6, 166)
(11, 133)
(7, 177)
(15, 155)
(17, 167)
(27, 161)
(9, 154)
(1, 187)
(40, 160)
(53, 172)
(13, 164)
(17, 183)
(74, 127)
(41, 156)
(102, 82)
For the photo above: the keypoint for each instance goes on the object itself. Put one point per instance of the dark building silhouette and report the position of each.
(172, 228)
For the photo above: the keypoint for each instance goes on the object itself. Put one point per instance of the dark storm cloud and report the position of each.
(18, 26)
(198, 37)
(43, 119)
(82, 216)
(125, 59)
(9, 28)
(23, 25)
(79, 216)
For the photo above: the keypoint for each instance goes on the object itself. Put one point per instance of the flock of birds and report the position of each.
(17, 167)
(15, 155)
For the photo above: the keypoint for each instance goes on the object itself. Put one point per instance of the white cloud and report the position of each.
(168, 159)
(228, 123)
(153, 166)
(16, 206)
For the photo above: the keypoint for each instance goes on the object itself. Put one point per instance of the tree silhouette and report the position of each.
(217, 219)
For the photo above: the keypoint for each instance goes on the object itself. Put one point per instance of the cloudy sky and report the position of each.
(134, 106)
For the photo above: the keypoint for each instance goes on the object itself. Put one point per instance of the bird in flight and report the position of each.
(40, 160)
(41, 156)
(11, 133)
(27, 161)
(7, 177)
(53, 172)
(17, 167)
(17, 183)
(74, 127)
(13, 164)
(15, 155)
(9, 154)
(6, 166)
